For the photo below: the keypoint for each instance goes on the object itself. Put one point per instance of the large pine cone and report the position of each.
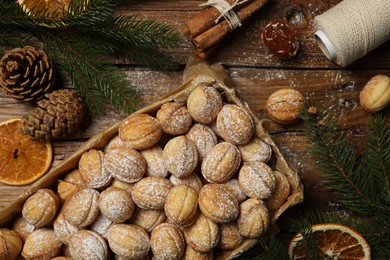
(58, 115)
(26, 74)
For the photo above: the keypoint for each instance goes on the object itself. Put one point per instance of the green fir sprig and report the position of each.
(83, 41)
(361, 182)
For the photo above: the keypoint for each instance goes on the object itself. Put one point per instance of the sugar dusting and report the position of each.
(256, 179)
(151, 192)
(203, 137)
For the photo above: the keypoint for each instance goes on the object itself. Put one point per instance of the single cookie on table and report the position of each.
(180, 156)
(284, 105)
(256, 180)
(181, 205)
(218, 203)
(253, 220)
(192, 180)
(255, 150)
(174, 118)
(10, 244)
(41, 244)
(87, 244)
(124, 164)
(91, 169)
(221, 163)
(155, 166)
(23, 228)
(204, 139)
(230, 237)
(234, 187)
(81, 209)
(148, 219)
(203, 235)
(41, 207)
(151, 192)
(128, 240)
(101, 225)
(116, 204)
(235, 124)
(167, 242)
(280, 192)
(63, 229)
(192, 254)
(140, 131)
(204, 103)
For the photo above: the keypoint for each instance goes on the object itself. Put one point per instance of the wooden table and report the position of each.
(256, 74)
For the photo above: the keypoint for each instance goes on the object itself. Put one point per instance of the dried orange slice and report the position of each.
(55, 7)
(334, 241)
(22, 160)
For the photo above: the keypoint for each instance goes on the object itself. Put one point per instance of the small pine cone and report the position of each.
(58, 115)
(26, 74)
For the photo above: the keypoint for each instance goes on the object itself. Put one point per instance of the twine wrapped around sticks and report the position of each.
(207, 29)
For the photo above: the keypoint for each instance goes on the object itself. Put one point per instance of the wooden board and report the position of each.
(256, 74)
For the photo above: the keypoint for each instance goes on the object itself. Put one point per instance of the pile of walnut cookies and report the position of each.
(175, 186)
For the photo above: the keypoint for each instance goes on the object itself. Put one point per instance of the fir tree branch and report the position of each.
(337, 158)
(81, 40)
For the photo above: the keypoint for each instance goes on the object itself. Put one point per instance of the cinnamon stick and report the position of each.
(204, 20)
(219, 31)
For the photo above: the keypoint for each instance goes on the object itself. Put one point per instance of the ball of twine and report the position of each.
(352, 29)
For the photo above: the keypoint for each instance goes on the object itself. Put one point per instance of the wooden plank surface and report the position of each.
(256, 74)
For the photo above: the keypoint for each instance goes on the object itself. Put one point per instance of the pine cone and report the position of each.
(58, 114)
(26, 74)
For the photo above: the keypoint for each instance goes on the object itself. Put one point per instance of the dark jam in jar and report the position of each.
(281, 39)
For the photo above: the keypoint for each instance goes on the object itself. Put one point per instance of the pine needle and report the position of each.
(82, 40)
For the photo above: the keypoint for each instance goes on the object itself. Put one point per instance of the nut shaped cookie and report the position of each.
(87, 244)
(180, 156)
(148, 219)
(155, 166)
(284, 105)
(116, 204)
(81, 209)
(255, 150)
(101, 225)
(181, 205)
(174, 118)
(127, 240)
(23, 228)
(192, 180)
(253, 220)
(10, 244)
(256, 180)
(217, 203)
(167, 242)
(124, 164)
(151, 192)
(235, 124)
(140, 131)
(63, 229)
(91, 169)
(192, 254)
(230, 237)
(280, 192)
(41, 207)
(234, 187)
(203, 235)
(221, 163)
(41, 244)
(204, 103)
(203, 137)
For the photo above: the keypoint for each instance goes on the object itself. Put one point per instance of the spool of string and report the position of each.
(353, 28)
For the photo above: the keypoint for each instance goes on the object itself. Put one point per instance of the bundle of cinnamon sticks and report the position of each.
(205, 31)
